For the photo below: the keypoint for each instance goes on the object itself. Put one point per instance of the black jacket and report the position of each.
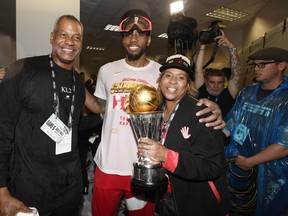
(28, 164)
(201, 159)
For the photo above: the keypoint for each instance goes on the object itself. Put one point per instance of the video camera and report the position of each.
(182, 31)
(207, 36)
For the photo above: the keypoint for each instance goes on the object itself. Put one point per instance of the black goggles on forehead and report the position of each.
(143, 24)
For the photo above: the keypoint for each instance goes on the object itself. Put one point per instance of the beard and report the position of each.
(214, 92)
(135, 57)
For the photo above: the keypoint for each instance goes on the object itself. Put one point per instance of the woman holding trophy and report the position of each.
(191, 153)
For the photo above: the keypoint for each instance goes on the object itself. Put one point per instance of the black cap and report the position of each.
(270, 53)
(178, 61)
(135, 12)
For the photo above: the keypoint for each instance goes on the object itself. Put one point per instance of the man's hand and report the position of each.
(9, 205)
(215, 120)
(224, 41)
(243, 163)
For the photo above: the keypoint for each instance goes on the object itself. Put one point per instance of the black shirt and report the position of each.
(29, 166)
(224, 99)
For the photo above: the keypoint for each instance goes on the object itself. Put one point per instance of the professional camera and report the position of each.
(182, 31)
(207, 36)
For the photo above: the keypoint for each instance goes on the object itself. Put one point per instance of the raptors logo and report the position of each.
(118, 102)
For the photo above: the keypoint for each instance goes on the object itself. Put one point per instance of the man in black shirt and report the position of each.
(40, 101)
(212, 84)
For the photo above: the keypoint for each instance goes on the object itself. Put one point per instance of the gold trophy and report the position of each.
(146, 122)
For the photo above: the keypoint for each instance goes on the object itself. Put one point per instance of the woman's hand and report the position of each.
(152, 149)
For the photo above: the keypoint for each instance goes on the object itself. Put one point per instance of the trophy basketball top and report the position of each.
(144, 98)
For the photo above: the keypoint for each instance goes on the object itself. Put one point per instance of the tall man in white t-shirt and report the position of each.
(118, 148)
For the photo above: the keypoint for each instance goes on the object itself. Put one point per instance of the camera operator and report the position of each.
(211, 85)
(182, 34)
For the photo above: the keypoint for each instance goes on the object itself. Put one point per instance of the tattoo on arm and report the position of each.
(235, 69)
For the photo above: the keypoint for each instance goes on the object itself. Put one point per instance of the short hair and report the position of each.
(67, 16)
(214, 72)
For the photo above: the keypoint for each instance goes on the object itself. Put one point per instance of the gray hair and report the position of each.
(70, 17)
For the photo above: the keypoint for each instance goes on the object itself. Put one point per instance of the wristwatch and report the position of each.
(232, 49)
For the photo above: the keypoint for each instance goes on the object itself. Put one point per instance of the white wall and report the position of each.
(34, 22)
(262, 23)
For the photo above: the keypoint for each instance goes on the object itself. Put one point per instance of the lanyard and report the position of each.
(166, 125)
(56, 98)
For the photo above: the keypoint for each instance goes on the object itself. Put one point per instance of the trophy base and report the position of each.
(148, 177)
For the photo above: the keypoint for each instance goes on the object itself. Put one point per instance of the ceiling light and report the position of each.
(110, 27)
(95, 48)
(227, 14)
(176, 7)
(164, 35)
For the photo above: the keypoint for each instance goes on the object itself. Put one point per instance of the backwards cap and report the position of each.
(133, 13)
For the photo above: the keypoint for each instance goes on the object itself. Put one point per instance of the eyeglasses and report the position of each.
(142, 23)
(262, 64)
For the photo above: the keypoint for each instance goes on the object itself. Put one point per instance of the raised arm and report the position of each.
(199, 76)
(234, 80)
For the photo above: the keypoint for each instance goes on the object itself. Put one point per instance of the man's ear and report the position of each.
(282, 65)
(149, 41)
(51, 37)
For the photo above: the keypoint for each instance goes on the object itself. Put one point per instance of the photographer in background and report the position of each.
(211, 85)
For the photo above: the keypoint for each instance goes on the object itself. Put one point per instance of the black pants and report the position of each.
(71, 208)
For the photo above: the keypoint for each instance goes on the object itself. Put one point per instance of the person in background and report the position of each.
(2, 73)
(40, 101)
(258, 126)
(192, 154)
(118, 148)
(89, 136)
(211, 85)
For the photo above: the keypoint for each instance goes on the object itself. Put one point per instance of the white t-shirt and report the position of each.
(118, 147)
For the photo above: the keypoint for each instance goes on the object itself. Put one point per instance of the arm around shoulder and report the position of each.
(94, 104)
(214, 120)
